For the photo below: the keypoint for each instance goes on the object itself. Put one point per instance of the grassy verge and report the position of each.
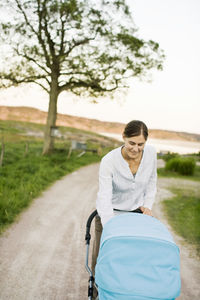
(23, 178)
(163, 173)
(183, 213)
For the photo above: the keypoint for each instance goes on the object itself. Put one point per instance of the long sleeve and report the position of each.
(150, 191)
(104, 196)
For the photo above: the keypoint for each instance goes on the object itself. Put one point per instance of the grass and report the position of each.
(183, 210)
(23, 178)
(183, 213)
(164, 173)
(25, 174)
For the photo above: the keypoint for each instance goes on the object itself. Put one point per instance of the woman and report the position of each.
(127, 179)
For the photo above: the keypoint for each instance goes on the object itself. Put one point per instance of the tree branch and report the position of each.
(92, 84)
(78, 43)
(50, 42)
(32, 59)
(42, 86)
(39, 36)
(62, 37)
(25, 17)
(16, 81)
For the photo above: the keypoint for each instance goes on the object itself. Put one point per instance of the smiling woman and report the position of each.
(135, 135)
(132, 151)
(129, 165)
(127, 179)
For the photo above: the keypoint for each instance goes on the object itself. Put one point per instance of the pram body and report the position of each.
(138, 260)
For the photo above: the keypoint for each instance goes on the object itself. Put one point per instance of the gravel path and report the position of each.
(42, 255)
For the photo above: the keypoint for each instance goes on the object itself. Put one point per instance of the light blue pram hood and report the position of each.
(138, 260)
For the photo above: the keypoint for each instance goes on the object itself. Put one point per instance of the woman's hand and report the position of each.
(146, 211)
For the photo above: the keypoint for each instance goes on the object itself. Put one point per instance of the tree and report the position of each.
(88, 47)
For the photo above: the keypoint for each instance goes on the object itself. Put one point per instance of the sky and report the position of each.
(171, 101)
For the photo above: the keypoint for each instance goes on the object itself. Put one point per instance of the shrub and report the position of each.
(183, 166)
(187, 166)
(172, 164)
(169, 155)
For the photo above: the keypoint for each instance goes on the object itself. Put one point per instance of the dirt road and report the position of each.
(42, 255)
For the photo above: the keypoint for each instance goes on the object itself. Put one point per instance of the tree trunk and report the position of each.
(51, 118)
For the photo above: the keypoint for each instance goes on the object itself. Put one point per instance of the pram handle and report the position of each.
(88, 225)
(93, 215)
(137, 210)
(91, 282)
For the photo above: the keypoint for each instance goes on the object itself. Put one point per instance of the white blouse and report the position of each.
(120, 189)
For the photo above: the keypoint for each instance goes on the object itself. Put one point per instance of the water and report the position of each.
(181, 147)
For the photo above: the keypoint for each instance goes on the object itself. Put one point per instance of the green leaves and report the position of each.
(132, 43)
(91, 44)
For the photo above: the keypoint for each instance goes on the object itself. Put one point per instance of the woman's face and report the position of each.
(134, 146)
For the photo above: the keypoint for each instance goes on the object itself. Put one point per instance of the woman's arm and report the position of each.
(104, 196)
(151, 188)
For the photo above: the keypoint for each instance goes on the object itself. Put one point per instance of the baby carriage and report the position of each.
(138, 260)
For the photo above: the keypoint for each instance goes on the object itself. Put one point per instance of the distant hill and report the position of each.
(28, 114)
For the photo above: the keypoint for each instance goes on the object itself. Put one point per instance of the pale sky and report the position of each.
(172, 100)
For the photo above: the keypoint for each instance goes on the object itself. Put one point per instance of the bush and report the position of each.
(172, 164)
(183, 166)
(169, 155)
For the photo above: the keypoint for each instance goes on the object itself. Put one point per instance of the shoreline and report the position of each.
(165, 145)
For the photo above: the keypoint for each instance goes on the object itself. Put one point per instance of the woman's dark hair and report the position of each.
(135, 128)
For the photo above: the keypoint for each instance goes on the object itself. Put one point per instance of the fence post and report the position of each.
(27, 148)
(2, 152)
